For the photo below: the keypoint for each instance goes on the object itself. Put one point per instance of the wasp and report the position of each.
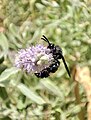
(57, 54)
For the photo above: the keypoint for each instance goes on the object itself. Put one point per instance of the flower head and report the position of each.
(34, 59)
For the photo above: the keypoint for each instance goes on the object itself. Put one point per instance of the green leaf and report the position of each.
(52, 88)
(30, 94)
(4, 95)
(5, 118)
(4, 42)
(7, 73)
(15, 31)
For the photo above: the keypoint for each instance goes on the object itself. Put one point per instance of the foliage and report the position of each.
(64, 22)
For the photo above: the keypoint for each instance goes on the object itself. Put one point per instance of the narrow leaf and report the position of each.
(7, 73)
(15, 31)
(51, 88)
(30, 94)
(4, 42)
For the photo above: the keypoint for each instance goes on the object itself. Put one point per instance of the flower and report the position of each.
(34, 59)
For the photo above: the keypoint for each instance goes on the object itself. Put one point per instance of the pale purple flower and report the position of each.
(34, 59)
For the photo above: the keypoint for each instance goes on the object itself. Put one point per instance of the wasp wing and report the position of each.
(65, 65)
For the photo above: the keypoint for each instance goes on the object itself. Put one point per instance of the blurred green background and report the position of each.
(66, 23)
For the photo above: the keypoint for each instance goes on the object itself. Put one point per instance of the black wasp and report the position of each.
(57, 54)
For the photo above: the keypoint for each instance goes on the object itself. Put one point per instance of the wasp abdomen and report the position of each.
(54, 67)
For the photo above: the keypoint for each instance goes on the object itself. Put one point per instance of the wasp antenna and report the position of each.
(66, 66)
(45, 39)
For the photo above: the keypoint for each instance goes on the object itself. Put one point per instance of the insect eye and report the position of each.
(51, 46)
